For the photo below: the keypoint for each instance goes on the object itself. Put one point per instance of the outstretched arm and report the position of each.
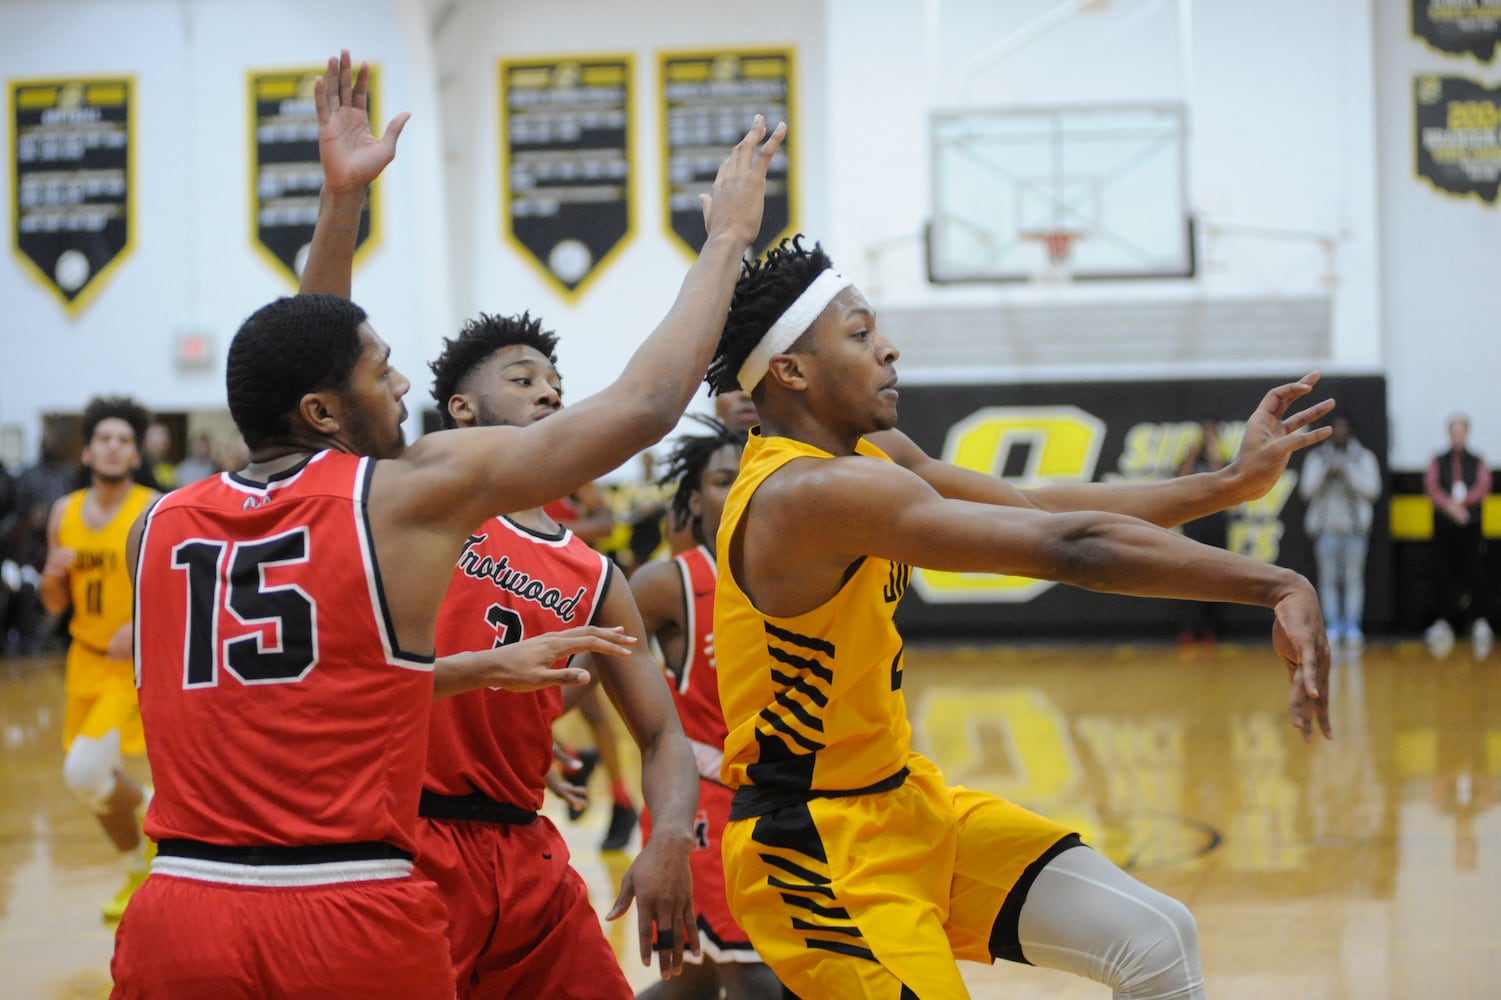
(352, 158)
(659, 878)
(1271, 439)
(456, 480)
(833, 511)
(528, 665)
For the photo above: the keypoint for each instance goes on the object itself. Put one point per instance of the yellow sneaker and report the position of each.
(115, 908)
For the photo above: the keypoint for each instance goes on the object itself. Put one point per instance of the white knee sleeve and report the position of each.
(89, 768)
(1086, 916)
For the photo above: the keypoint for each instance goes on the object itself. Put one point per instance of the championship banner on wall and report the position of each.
(1082, 432)
(709, 100)
(1459, 26)
(71, 181)
(565, 163)
(1458, 133)
(285, 175)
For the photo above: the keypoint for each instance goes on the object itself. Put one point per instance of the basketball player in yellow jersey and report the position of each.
(86, 569)
(855, 869)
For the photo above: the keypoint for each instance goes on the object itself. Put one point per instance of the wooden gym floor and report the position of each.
(1364, 869)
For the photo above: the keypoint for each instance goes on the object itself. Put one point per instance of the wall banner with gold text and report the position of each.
(1457, 127)
(565, 163)
(1459, 26)
(709, 100)
(72, 181)
(285, 175)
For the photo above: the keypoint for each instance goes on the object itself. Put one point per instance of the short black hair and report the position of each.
(102, 408)
(478, 339)
(764, 291)
(285, 350)
(689, 457)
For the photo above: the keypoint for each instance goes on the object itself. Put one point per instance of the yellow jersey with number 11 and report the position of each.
(100, 580)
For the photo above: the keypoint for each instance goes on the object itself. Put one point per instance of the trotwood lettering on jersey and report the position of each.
(482, 567)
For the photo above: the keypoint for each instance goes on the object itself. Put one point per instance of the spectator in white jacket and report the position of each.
(1341, 482)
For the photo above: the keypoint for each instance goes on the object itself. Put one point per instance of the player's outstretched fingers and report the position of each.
(768, 149)
(346, 87)
(1303, 418)
(359, 97)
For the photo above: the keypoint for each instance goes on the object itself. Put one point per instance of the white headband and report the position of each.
(791, 325)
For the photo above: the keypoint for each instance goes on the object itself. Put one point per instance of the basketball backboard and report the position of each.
(1059, 193)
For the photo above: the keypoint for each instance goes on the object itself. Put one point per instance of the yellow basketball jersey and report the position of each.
(100, 580)
(812, 702)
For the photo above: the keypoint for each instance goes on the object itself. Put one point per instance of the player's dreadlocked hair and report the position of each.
(686, 462)
(102, 408)
(285, 350)
(477, 340)
(764, 291)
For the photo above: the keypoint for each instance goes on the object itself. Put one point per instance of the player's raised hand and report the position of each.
(739, 194)
(352, 156)
(1272, 437)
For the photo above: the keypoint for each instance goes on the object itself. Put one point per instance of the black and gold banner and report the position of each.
(565, 162)
(1082, 432)
(1459, 26)
(72, 182)
(285, 175)
(1458, 135)
(709, 100)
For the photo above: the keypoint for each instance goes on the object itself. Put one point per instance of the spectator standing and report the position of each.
(157, 451)
(1457, 482)
(199, 464)
(38, 487)
(1341, 482)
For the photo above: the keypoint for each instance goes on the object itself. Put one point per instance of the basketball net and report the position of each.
(1058, 254)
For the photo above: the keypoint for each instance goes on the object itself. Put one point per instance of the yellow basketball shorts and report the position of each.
(877, 895)
(101, 696)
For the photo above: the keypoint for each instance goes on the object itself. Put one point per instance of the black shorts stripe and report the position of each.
(807, 925)
(842, 947)
(813, 879)
(1005, 935)
(822, 890)
(832, 912)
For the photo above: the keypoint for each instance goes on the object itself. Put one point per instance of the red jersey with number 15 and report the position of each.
(281, 710)
(510, 584)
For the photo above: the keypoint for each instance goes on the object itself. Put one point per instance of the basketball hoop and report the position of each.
(1058, 247)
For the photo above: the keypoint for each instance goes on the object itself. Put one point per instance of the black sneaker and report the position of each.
(622, 822)
(588, 760)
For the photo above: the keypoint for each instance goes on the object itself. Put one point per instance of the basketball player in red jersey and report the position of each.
(520, 920)
(284, 683)
(676, 598)
(737, 411)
